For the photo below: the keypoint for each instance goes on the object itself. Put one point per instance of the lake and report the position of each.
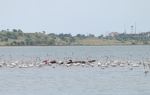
(78, 52)
(74, 80)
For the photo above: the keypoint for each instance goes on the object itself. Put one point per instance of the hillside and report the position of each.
(17, 37)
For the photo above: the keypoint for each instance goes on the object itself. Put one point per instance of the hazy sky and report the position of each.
(75, 16)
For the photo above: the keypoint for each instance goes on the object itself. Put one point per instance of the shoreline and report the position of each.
(74, 45)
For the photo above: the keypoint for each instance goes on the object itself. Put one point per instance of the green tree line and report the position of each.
(16, 37)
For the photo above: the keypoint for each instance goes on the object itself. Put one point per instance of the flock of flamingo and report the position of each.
(68, 62)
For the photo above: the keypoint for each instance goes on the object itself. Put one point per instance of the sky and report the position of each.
(75, 16)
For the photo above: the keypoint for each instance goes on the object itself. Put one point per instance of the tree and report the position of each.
(14, 30)
(29, 41)
(81, 36)
(20, 31)
(91, 35)
(43, 32)
(51, 42)
(101, 36)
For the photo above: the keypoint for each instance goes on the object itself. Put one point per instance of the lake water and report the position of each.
(74, 80)
(78, 52)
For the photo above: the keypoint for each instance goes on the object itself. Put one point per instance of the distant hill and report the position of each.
(17, 37)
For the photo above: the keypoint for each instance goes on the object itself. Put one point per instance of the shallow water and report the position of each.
(75, 80)
(78, 52)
